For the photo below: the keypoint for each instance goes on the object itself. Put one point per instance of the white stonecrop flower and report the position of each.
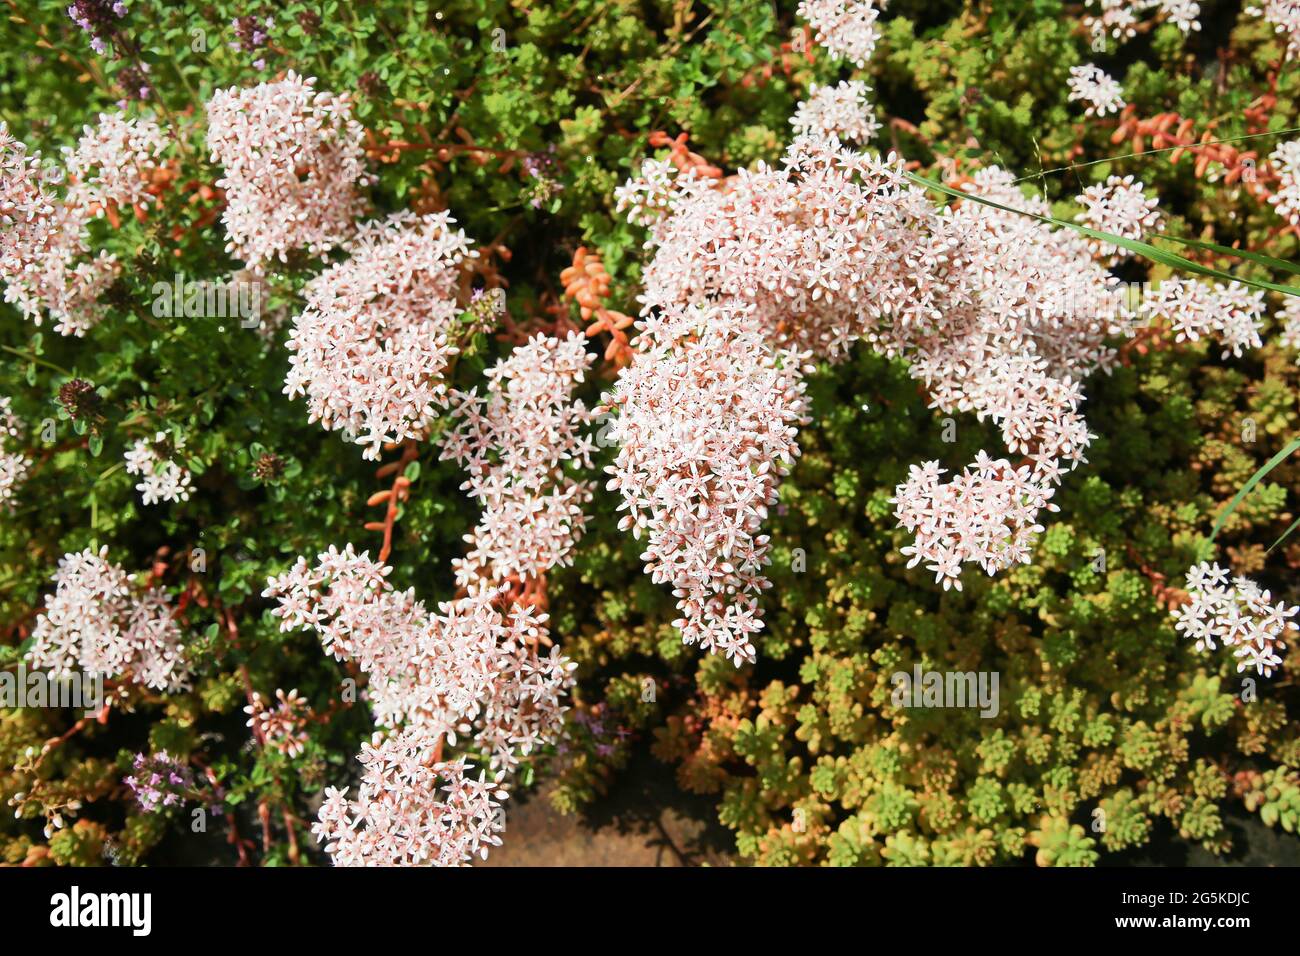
(44, 253)
(110, 163)
(707, 418)
(1184, 14)
(1239, 614)
(282, 729)
(161, 479)
(1097, 89)
(843, 111)
(846, 28)
(469, 667)
(294, 166)
(1286, 162)
(372, 344)
(1284, 17)
(411, 811)
(99, 621)
(988, 515)
(1118, 206)
(13, 465)
(1233, 312)
(1119, 18)
(514, 443)
(998, 313)
(647, 195)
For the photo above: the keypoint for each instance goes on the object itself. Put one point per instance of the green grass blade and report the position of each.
(1259, 258)
(1255, 479)
(1285, 534)
(1144, 249)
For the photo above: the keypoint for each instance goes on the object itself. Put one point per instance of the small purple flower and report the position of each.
(160, 780)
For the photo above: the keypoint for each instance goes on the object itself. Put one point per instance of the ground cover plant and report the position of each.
(885, 414)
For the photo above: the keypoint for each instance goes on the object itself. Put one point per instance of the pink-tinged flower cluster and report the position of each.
(843, 111)
(411, 811)
(648, 196)
(998, 313)
(1096, 89)
(161, 478)
(283, 728)
(515, 443)
(44, 252)
(1286, 162)
(1027, 317)
(987, 514)
(100, 622)
(27, 201)
(1118, 206)
(1237, 613)
(294, 167)
(470, 667)
(708, 412)
(1284, 17)
(110, 163)
(13, 465)
(1232, 313)
(471, 670)
(1119, 18)
(817, 249)
(372, 344)
(846, 28)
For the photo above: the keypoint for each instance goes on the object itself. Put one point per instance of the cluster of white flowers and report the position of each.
(515, 443)
(294, 165)
(1118, 206)
(110, 163)
(1237, 613)
(470, 670)
(843, 110)
(999, 314)
(1232, 312)
(708, 414)
(282, 728)
(461, 668)
(988, 515)
(1119, 18)
(648, 196)
(100, 622)
(1284, 17)
(13, 465)
(1097, 89)
(846, 28)
(806, 246)
(161, 479)
(411, 811)
(1286, 163)
(44, 252)
(371, 346)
